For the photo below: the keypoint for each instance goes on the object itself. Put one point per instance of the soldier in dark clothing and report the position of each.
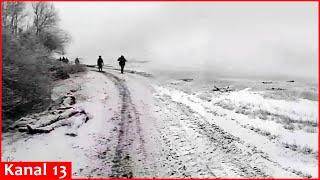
(76, 61)
(100, 63)
(122, 62)
(65, 60)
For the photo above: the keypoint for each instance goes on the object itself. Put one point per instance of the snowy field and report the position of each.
(289, 115)
(184, 127)
(276, 116)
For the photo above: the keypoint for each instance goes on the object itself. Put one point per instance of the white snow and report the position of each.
(169, 139)
(303, 109)
(92, 95)
(231, 122)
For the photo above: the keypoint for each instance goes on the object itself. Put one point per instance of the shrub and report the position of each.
(27, 58)
(74, 68)
(62, 70)
(26, 83)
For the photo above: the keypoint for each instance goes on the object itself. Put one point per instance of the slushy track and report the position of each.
(129, 138)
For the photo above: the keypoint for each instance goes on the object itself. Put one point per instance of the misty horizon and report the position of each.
(245, 40)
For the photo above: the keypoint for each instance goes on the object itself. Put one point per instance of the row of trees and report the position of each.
(40, 19)
(31, 36)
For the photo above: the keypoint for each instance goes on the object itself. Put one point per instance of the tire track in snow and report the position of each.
(130, 142)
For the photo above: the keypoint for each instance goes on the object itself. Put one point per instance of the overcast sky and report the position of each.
(246, 39)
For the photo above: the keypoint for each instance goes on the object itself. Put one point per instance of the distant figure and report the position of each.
(76, 61)
(100, 63)
(122, 62)
(65, 60)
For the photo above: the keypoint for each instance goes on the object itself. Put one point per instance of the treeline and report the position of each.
(31, 37)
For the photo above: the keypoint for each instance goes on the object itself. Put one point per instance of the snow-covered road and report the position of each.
(140, 129)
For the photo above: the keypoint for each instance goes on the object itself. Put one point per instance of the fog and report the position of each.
(260, 39)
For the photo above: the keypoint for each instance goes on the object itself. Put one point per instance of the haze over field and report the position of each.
(273, 40)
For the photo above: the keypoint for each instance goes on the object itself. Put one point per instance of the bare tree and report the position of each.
(13, 15)
(5, 14)
(45, 16)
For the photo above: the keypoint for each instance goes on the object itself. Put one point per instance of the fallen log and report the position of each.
(61, 113)
(22, 122)
(266, 82)
(32, 130)
(73, 119)
(223, 89)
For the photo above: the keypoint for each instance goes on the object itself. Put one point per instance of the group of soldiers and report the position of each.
(122, 62)
(66, 60)
(63, 59)
(121, 59)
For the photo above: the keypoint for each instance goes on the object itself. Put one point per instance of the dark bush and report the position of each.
(26, 83)
(61, 74)
(74, 68)
(27, 54)
(61, 70)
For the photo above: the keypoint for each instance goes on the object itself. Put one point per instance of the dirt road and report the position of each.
(128, 132)
(137, 131)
